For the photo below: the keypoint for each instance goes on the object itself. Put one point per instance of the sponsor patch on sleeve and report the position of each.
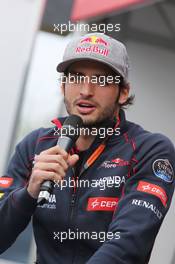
(102, 203)
(1, 195)
(6, 182)
(163, 169)
(154, 190)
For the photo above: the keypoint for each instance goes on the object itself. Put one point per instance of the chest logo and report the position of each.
(6, 182)
(117, 162)
(102, 203)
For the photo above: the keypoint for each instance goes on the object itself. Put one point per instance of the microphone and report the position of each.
(69, 133)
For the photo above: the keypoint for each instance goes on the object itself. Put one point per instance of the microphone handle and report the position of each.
(46, 188)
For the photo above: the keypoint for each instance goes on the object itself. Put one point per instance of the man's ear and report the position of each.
(124, 94)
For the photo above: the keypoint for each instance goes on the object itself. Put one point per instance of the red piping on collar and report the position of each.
(57, 123)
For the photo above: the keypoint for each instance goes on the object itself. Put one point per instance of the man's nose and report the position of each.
(87, 88)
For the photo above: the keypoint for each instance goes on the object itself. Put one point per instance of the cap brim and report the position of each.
(61, 67)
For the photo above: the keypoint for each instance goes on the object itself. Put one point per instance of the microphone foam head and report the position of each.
(74, 121)
(71, 127)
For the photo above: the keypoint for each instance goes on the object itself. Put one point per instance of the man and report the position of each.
(112, 191)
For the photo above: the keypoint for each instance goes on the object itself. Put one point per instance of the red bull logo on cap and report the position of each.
(94, 40)
(94, 46)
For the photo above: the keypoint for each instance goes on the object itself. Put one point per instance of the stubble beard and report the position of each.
(104, 120)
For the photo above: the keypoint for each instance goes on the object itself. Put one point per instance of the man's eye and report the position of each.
(79, 78)
(103, 81)
(108, 80)
(75, 78)
(72, 76)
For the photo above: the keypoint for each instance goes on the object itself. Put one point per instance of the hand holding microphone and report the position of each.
(52, 164)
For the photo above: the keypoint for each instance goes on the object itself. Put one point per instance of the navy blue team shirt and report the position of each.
(109, 212)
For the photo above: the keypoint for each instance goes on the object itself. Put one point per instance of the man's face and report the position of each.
(94, 101)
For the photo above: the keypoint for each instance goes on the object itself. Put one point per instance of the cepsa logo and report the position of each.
(154, 190)
(5, 182)
(102, 203)
(95, 44)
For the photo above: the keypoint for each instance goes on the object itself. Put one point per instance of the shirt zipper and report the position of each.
(73, 196)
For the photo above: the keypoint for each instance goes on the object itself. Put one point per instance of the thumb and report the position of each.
(72, 160)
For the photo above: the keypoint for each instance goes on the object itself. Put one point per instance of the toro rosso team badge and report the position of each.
(163, 170)
(114, 163)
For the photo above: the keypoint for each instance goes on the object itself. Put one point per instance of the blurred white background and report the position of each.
(30, 94)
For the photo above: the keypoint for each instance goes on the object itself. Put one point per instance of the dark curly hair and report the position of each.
(130, 100)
